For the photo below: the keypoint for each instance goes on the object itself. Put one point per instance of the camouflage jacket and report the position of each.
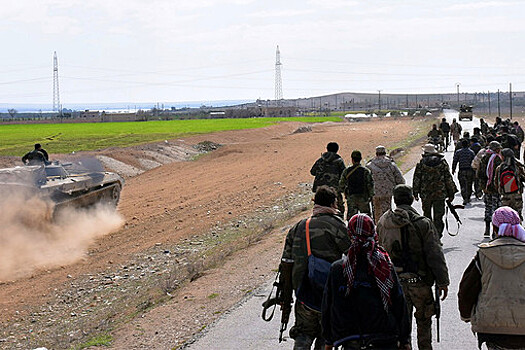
(327, 170)
(435, 133)
(357, 179)
(455, 128)
(482, 173)
(518, 131)
(328, 240)
(386, 175)
(423, 245)
(432, 179)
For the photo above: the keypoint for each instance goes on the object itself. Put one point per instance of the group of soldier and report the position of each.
(489, 161)
(391, 258)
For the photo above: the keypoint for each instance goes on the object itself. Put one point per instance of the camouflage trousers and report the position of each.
(381, 205)
(340, 203)
(477, 188)
(357, 203)
(515, 201)
(419, 296)
(307, 328)
(492, 202)
(436, 207)
(466, 177)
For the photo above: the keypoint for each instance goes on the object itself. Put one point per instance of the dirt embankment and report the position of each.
(181, 220)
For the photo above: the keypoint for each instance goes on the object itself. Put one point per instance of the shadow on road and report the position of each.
(451, 249)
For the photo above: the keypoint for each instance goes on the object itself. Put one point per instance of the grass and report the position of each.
(16, 140)
(99, 340)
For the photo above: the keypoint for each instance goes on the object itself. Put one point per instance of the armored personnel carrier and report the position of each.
(465, 112)
(65, 185)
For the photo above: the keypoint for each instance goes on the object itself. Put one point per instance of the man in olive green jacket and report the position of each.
(328, 240)
(414, 247)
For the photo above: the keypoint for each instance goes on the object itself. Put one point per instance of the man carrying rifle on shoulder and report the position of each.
(328, 240)
(413, 244)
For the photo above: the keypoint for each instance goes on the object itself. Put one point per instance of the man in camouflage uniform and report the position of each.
(415, 249)
(358, 186)
(37, 156)
(486, 174)
(513, 199)
(329, 240)
(327, 171)
(483, 126)
(455, 130)
(433, 183)
(386, 176)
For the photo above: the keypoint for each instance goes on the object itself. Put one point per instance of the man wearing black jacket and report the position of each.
(363, 302)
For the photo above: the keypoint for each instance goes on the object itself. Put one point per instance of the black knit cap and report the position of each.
(403, 192)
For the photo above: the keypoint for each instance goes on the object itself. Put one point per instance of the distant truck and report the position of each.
(465, 112)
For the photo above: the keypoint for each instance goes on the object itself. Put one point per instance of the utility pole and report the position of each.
(336, 102)
(457, 86)
(510, 99)
(407, 100)
(56, 92)
(278, 79)
(499, 110)
(488, 95)
(379, 100)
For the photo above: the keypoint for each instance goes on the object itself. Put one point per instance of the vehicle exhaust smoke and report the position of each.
(33, 238)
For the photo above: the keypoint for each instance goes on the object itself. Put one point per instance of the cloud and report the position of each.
(478, 5)
(332, 4)
(281, 13)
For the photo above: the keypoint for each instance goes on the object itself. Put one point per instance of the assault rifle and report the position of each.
(283, 296)
(452, 208)
(437, 309)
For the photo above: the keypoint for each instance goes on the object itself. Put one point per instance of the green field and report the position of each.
(16, 140)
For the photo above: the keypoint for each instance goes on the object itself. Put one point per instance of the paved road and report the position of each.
(243, 328)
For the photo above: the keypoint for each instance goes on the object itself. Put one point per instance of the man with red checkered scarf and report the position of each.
(363, 303)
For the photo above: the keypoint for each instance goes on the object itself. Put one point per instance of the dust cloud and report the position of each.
(31, 239)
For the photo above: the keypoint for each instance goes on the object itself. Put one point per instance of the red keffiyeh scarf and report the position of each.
(361, 230)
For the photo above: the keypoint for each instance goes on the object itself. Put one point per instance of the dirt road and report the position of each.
(174, 205)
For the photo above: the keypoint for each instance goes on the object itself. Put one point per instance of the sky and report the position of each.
(206, 50)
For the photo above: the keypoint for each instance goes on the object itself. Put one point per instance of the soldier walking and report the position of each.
(444, 126)
(455, 130)
(433, 183)
(487, 168)
(386, 176)
(327, 171)
(328, 240)
(363, 302)
(509, 177)
(358, 186)
(414, 246)
(464, 158)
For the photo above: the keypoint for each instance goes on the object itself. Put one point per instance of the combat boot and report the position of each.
(487, 228)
